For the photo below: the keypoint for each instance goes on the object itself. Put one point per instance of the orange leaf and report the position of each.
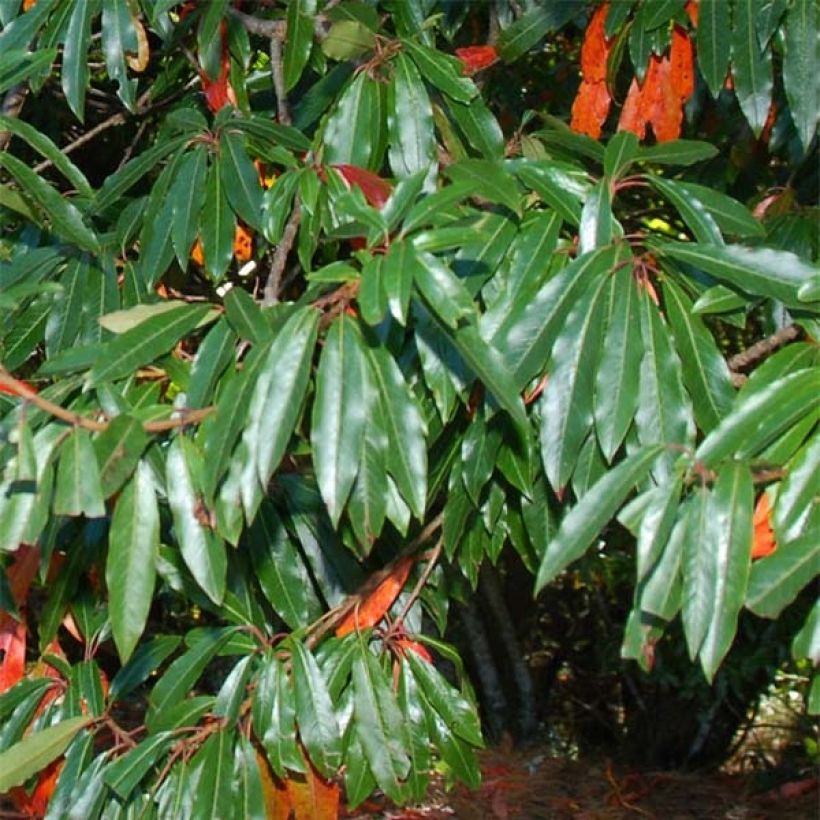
(692, 8)
(375, 189)
(375, 605)
(197, 253)
(681, 56)
(475, 58)
(590, 109)
(312, 797)
(763, 541)
(219, 92)
(12, 650)
(406, 645)
(242, 244)
(36, 803)
(631, 118)
(27, 4)
(595, 48)
(661, 104)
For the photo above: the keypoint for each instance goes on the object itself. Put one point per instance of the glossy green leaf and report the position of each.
(245, 316)
(338, 423)
(240, 178)
(442, 290)
(119, 37)
(615, 396)
(597, 225)
(367, 506)
(799, 67)
(488, 180)
(704, 369)
(395, 277)
(442, 71)
(65, 218)
(354, 130)
(299, 40)
(678, 152)
(412, 144)
(202, 550)
(806, 643)
(187, 193)
(796, 495)
(758, 418)
(566, 403)
(75, 73)
(127, 771)
(379, 724)
(559, 191)
(145, 343)
(78, 490)
(693, 212)
(751, 66)
(315, 716)
(454, 751)
(713, 43)
(130, 569)
(281, 570)
(251, 802)
(35, 751)
(348, 39)
(119, 448)
(214, 355)
(479, 126)
(777, 579)
(217, 224)
(528, 30)
(145, 660)
(63, 324)
(587, 518)
(621, 152)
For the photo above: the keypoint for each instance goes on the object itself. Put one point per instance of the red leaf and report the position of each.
(375, 605)
(406, 645)
(375, 189)
(36, 803)
(763, 541)
(219, 93)
(681, 56)
(631, 116)
(590, 109)
(661, 104)
(692, 8)
(12, 650)
(596, 47)
(476, 58)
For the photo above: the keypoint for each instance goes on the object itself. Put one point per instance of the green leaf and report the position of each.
(566, 403)
(488, 180)
(458, 714)
(757, 271)
(212, 777)
(119, 37)
(664, 414)
(615, 396)
(368, 502)
(240, 178)
(315, 715)
(442, 71)
(66, 220)
(126, 771)
(281, 570)
(713, 41)
(119, 448)
(145, 343)
(202, 550)
(299, 40)
(379, 724)
(179, 678)
(63, 323)
(78, 490)
(213, 357)
(796, 495)
(395, 277)
(75, 73)
(245, 316)
(758, 418)
(597, 225)
(729, 534)
(411, 136)
(621, 151)
(587, 518)
(693, 212)
(806, 643)
(529, 29)
(187, 193)
(145, 660)
(751, 67)
(217, 224)
(527, 334)
(799, 68)
(479, 126)
(442, 290)
(777, 579)
(35, 751)
(559, 190)
(338, 421)
(704, 369)
(678, 152)
(348, 40)
(354, 130)
(130, 569)
(406, 456)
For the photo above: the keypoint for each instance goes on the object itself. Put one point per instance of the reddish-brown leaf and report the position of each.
(596, 47)
(763, 541)
(632, 118)
(476, 58)
(590, 109)
(12, 650)
(681, 57)
(219, 92)
(312, 797)
(375, 605)
(36, 803)
(375, 189)
(406, 645)
(661, 104)
(22, 571)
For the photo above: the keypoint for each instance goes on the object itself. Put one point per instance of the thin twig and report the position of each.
(278, 74)
(273, 284)
(759, 350)
(432, 559)
(254, 25)
(26, 393)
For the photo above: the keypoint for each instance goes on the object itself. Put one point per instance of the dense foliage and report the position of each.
(305, 318)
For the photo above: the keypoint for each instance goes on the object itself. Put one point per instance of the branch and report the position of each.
(761, 349)
(21, 389)
(278, 74)
(11, 107)
(280, 256)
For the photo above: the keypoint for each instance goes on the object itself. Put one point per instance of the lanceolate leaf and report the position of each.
(188, 196)
(527, 30)
(217, 225)
(78, 490)
(202, 550)
(130, 569)
(299, 40)
(119, 37)
(441, 71)
(799, 67)
(338, 423)
(410, 121)
(751, 67)
(354, 130)
(587, 518)
(240, 178)
(119, 448)
(692, 211)
(713, 43)
(75, 56)
(797, 494)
